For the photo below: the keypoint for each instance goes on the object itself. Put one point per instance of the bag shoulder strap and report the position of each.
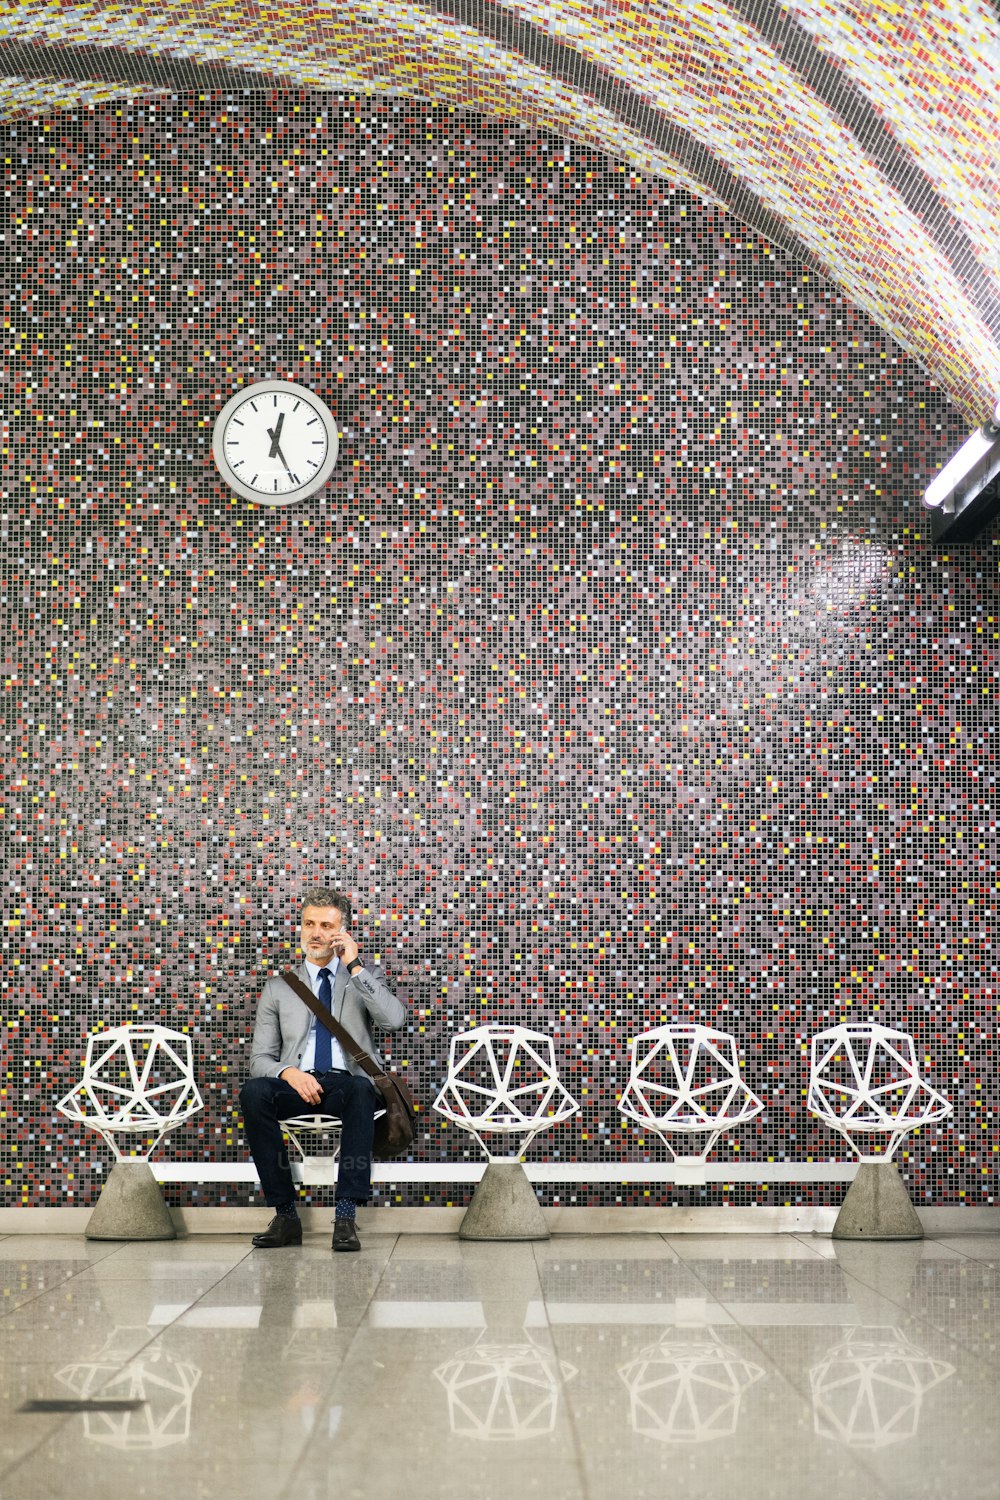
(319, 1010)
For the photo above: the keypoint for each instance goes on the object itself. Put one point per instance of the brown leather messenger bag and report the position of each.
(394, 1130)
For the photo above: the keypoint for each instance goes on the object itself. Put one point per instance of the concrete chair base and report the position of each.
(131, 1206)
(877, 1206)
(503, 1207)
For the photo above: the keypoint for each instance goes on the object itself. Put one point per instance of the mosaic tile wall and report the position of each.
(612, 672)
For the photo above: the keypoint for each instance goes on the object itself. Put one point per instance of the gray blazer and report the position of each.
(283, 1023)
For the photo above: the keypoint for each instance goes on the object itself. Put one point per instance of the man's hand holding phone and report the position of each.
(345, 948)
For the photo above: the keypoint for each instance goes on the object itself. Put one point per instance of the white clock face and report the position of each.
(275, 442)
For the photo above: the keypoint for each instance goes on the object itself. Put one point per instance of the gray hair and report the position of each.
(321, 895)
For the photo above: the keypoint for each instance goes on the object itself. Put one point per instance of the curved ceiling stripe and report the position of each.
(861, 107)
(852, 220)
(108, 67)
(916, 103)
(647, 139)
(45, 92)
(832, 85)
(563, 112)
(784, 111)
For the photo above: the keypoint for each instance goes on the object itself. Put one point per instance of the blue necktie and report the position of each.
(324, 1056)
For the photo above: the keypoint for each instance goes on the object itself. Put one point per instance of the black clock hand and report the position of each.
(277, 453)
(275, 435)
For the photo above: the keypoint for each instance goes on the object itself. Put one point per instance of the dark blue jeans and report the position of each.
(267, 1101)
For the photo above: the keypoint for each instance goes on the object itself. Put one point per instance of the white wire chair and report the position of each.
(684, 1079)
(864, 1081)
(138, 1081)
(502, 1081)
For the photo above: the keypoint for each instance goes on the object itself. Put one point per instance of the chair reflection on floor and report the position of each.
(503, 1385)
(503, 1392)
(687, 1387)
(162, 1388)
(868, 1390)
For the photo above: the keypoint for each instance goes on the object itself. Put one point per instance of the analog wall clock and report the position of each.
(275, 442)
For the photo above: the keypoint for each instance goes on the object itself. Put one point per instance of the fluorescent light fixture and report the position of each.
(959, 467)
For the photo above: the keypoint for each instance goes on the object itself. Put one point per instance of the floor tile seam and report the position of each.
(52, 1428)
(291, 1490)
(803, 1396)
(893, 1301)
(552, 1327)
(926, 1239)
(137, 1277)
(688, 1266)
(924, 1319)
(135, 1354)
(991, 1262)
(868, 1479)
(16, 1307)
(43, 1291)
(91, 1266)
(161, 1328)
(808, 1240)
(543, 1300)
(565, 1392)
(981, 1356)
(66, 1419)
(671, 1236)
(906, 1312)
(578, 1439)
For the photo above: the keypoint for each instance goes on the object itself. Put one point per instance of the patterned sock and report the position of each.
(345, 1208)
(286, 1211)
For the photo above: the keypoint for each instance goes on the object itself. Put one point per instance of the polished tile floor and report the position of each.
(638, 1366)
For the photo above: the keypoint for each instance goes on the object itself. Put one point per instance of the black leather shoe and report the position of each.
(282, 1230)
(345, 1235)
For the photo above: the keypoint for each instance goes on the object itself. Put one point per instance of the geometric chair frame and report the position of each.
(868, 1389)
(685, 1078)
(150, 1396)
(137, 1080)
(502, 1080)
(688, 1387)
(501, 1392)
(864, 1080)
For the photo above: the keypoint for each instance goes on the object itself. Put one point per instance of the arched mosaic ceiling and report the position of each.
(859, 134)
